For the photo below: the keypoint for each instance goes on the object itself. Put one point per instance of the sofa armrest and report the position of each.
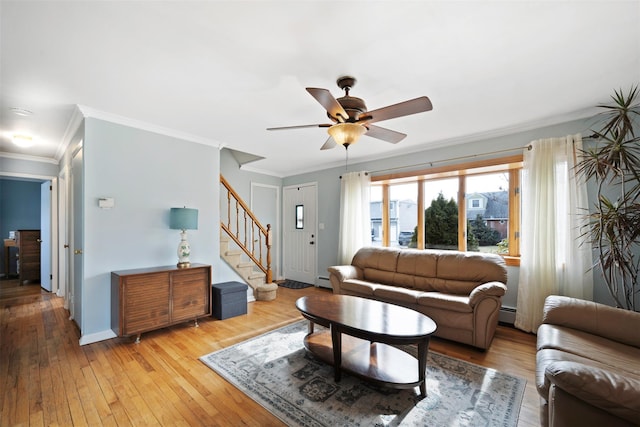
(340, 273)
(616, 394)
(599, 319)
(489, 289)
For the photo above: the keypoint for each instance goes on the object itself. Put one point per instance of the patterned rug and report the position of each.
(293, 284)
(275, 371)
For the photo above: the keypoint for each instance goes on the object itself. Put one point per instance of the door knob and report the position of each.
(78, 252)
(39, 240)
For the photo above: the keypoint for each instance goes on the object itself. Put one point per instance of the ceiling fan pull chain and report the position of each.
(346, 160)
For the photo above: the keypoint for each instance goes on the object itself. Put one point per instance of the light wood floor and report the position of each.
(46, 378)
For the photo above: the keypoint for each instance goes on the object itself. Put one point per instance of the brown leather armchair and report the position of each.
(588, 364)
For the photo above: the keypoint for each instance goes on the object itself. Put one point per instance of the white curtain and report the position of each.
(355, 216)
(555, 260)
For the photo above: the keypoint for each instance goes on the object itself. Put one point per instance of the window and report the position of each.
(470, 207)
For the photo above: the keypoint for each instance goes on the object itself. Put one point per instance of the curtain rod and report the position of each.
(366, 173)
(528, 147)
(452, 159)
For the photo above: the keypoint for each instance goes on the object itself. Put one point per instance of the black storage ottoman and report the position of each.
(229, 299)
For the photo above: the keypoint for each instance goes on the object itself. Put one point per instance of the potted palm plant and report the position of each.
(613, 163)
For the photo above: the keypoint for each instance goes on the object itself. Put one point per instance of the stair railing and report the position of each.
(245, 230)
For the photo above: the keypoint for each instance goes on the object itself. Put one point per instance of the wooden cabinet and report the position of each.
(151, 298)
(28, 243)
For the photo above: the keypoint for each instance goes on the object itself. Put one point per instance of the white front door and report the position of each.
(300, 231)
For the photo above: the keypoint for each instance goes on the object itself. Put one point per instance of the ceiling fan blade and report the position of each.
(333, 107)
(329, 144)
(322, 125)
(385, 134)
(413, 106)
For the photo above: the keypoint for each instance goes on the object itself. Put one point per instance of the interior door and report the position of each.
(63, 240)
(45, 235)
(299, 229)
(75, 307)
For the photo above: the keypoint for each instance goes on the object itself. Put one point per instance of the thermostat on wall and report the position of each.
(106, 203)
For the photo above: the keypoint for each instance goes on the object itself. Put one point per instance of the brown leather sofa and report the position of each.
(461, 291)
(588, 364)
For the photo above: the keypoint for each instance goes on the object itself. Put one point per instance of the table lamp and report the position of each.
(183, 219)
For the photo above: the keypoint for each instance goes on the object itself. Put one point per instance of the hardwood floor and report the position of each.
(46, 378)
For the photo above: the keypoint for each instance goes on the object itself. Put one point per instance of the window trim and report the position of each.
(510, 164)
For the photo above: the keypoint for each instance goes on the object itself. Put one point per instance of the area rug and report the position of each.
(275, 370)
(294, 284)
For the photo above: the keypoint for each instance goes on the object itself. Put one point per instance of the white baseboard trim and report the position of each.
(323, 282)
(98, 336)
(507, 315)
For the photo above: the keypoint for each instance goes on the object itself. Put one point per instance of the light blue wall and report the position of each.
(146, 174)
(242, 179)
(329, 181)
(28, 168)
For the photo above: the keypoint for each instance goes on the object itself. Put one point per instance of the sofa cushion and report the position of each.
(360, 287)
(376, 258)
(416, 269)
(396, 294)
(589, 346)
(614, 393)
(545, 357)
(461, 272)
(449, 302)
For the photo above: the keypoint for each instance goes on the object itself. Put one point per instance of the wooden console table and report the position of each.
(146, 299)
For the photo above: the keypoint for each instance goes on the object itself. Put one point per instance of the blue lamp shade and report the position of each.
(183, 219)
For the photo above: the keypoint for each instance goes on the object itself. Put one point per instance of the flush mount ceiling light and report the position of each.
(21, 111)
(22, 140)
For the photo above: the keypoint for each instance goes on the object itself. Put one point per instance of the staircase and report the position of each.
(245, 244)
(255, 278)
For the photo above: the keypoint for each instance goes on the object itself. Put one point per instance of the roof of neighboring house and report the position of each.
(497, 206)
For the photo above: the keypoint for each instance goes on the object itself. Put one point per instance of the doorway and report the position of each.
(300, 231)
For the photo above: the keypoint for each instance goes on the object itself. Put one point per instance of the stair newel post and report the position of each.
(268, 242)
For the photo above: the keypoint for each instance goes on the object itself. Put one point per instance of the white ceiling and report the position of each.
(224, 71)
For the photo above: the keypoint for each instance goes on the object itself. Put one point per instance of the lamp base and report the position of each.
(184, 250)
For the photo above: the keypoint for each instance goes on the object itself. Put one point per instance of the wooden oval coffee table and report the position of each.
(361, 336)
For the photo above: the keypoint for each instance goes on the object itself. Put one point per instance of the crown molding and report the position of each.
(139, 124)
(28, 158)
(69, 132)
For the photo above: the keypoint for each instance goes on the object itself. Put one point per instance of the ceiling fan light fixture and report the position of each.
(346, 133)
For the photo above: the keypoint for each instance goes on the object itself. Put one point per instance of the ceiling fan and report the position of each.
(351, 119)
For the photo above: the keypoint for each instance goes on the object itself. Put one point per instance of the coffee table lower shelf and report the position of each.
(379, 363)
